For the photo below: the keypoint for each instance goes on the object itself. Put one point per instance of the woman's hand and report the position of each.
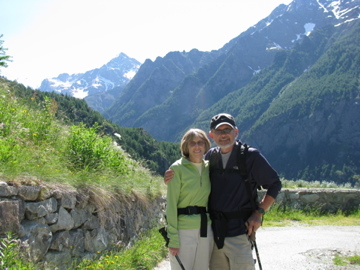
(174, 251)
(169, 174)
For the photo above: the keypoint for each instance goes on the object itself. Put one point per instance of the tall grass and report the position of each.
(35, 147)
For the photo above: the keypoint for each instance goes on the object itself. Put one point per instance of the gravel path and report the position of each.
(303, 248)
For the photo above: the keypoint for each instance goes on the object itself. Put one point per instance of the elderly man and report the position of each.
(233, 208)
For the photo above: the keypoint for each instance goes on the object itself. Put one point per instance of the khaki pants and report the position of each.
(195, 251)
(235, 255)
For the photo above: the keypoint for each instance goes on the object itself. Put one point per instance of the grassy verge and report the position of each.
(276, 217)
(145, 254)
(347, 260)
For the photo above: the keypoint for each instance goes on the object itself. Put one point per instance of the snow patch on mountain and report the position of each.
(274, 46)
(79, 93)
(130, 74)
(116, 73)
(60, 84)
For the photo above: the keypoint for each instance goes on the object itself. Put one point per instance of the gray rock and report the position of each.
(77, 243)
(51, 218)
(80, 216)
(65, 221)
(29, 193)
(38, 238)
(96, 240)
(60, 241)
(60, 260)
(6, 190)
(68, 200)
(35, 210)
(9, 216)
(92, 223)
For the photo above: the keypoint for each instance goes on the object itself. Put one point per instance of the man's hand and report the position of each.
(169, 174)
(253, 223)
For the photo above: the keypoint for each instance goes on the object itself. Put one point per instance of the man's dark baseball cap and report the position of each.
(222, 119)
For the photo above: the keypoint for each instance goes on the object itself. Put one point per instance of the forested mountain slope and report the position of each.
(303, 111)
(291, 81)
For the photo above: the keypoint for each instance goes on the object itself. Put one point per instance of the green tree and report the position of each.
(3, 56)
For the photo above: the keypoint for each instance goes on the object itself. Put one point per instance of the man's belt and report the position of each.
(220, 223)
(196, 210)
(242, 214)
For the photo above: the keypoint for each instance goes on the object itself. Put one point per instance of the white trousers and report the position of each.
(195, 251)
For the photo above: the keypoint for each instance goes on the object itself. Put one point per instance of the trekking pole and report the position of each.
(253, 243)
(179, 261)
(163, 232)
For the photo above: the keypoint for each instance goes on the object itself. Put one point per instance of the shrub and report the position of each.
(87, 150)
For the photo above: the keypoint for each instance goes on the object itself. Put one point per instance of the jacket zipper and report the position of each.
(202, 169)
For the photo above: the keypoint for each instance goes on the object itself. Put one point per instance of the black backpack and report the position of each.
(242, 153)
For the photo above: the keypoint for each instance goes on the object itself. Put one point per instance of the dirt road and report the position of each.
(303, 248)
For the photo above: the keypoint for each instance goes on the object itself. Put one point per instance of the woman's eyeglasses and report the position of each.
(199, 143)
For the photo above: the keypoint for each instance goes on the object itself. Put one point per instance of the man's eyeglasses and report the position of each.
(222, 131)
(199, 143)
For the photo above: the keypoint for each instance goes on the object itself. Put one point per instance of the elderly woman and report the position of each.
(189, 225)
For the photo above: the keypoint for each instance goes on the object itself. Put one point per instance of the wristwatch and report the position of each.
(261, 210)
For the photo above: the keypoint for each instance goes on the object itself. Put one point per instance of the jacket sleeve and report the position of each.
(173, 194)
(264, 174)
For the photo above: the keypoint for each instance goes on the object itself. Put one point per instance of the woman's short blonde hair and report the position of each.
(189, 137)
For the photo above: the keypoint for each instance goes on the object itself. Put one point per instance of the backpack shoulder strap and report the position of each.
(213, 160)
(242, 161)
(244, 173)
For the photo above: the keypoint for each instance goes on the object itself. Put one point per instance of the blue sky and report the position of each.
(48, 37)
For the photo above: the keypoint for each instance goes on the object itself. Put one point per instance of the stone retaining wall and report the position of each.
(325, 199)
(56, 226)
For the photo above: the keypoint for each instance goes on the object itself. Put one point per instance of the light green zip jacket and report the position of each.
(187, 188)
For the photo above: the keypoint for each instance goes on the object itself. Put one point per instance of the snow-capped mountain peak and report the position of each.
(117, 72)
